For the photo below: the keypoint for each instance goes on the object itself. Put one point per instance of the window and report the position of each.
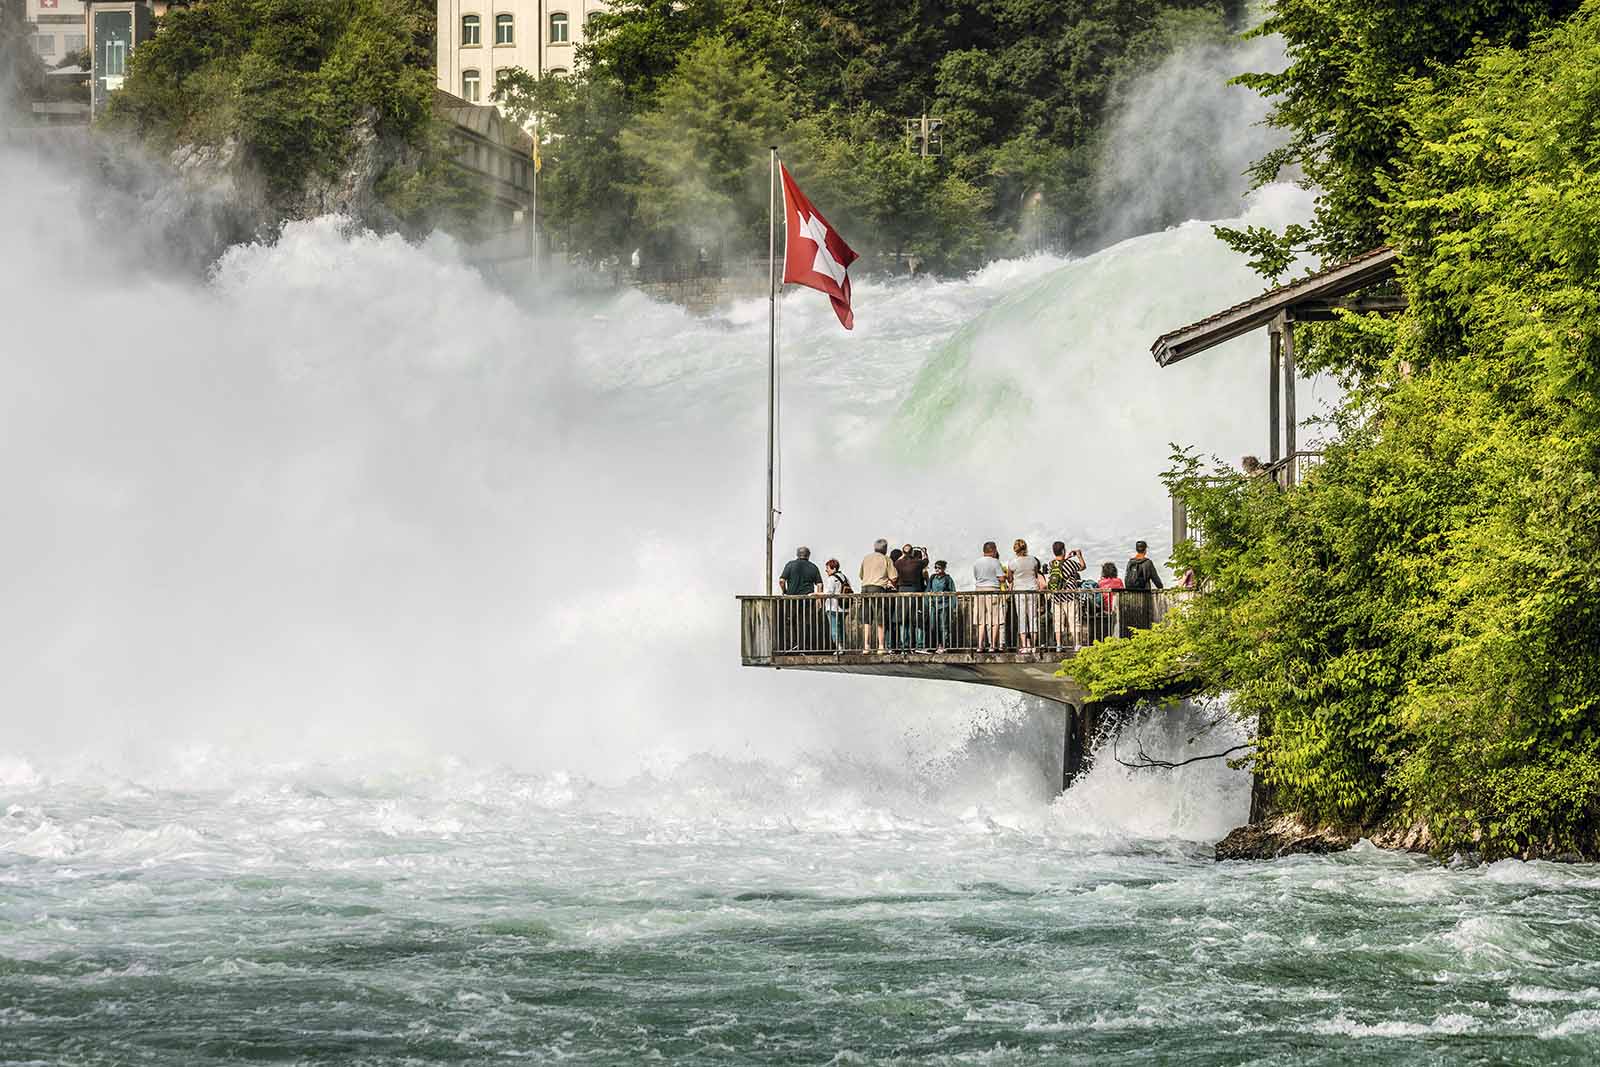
(470, 85)
(558, 70)
(470, 28)
(505, 30)
(44, 44)
(116, 61)
(558, 27)
(76, 42)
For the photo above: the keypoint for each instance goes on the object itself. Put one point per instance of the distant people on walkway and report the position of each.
(798, 622)
(911, 573)
(1110, 583)
(1141, 579)
(926, 623)
(835, 586)
(1142, 572)
(1026, 579)
(800, 576)
(989, 612)
(1064, 580)
(944, 607)
(877, 576)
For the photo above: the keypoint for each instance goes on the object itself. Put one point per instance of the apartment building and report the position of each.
(58, 29)
(478, 38)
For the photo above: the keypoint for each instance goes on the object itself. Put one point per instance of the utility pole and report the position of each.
(533, 226)
(925, 135)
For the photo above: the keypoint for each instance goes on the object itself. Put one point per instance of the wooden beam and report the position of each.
(1275, 393)
(1363, 272)
(1324, 310)
(1289, 380)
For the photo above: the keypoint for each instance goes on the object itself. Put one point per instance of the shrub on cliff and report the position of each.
(1419, 624)
(287, 84)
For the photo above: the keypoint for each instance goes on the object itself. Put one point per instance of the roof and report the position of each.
(484, 120)
(1341, 279)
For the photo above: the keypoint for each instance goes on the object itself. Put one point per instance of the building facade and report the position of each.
(114, 28)
(58, 29)
(479, 38)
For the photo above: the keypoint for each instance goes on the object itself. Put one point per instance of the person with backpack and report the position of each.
(836, 587)
(1026, 578)
(1065, 579)
(1142, 579)
(943, 607)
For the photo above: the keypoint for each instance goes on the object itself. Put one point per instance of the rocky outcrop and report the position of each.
(1288, 834)
(1284, 835)
(222, 174)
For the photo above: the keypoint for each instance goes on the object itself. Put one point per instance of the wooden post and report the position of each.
(1274, 391)
(1289, 418)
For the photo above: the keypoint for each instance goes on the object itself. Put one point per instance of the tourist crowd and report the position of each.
(927, 624)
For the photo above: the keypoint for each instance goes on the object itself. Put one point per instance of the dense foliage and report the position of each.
(288, 84)
(1418, 625)
(694, 90)
(1341, 97)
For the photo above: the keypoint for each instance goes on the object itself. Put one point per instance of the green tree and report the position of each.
(288, 84)
(701, 150)
(1416, 625)
(1341, 96)
(580, 122)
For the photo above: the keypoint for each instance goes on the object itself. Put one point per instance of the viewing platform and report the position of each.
(973, 636)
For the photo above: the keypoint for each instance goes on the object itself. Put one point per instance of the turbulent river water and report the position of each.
(370, 686)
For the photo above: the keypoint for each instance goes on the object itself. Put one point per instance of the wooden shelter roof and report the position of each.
(1315, 291)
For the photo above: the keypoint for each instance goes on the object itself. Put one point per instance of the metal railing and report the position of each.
(998, 621)
(1286, 473)
(1291, 470)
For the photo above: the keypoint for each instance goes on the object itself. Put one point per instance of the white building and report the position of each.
(58, 29)
(478, 38)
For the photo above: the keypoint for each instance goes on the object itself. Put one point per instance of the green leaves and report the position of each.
(1419, 622)
(285, 81)
(1271, 254)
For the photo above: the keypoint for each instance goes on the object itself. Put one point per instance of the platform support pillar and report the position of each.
(1083, 723)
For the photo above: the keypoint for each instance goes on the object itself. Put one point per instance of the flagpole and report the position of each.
(772, 352)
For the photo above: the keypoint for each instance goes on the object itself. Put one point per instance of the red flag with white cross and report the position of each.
(814, 255)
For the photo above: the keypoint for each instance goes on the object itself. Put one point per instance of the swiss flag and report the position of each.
(814, 255)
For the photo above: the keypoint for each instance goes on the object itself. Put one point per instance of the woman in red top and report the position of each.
(1108, 582)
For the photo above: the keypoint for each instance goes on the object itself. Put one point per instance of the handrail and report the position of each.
(1286, 473)
(1289, 471)
(933, 624)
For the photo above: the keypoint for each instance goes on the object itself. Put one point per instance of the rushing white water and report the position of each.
(344, 497)
(369, 685)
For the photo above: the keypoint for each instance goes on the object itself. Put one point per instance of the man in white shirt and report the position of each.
(989, 607)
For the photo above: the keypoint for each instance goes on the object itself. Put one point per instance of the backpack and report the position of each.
(844, 586)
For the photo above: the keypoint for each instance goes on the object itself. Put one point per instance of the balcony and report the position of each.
(974, 636)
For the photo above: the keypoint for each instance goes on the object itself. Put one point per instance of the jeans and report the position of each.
(836, 628)
(912, 633)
